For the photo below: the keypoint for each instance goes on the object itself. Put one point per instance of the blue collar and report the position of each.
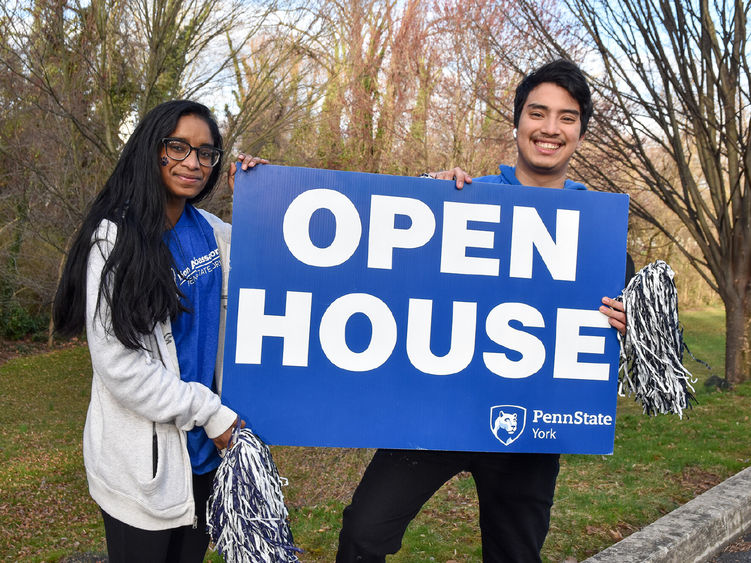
(508, 176)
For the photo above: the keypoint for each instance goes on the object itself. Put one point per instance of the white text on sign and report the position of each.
(528, 233)
(559, 254)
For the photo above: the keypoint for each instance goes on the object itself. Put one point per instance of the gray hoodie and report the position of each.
(138, 394)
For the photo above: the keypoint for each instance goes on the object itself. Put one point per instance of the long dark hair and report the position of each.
(137, 281)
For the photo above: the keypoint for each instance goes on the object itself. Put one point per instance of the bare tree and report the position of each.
(674, 117)
(399, 79)
(683, 93)
(355, 42)
(274, 82)
(74, 77)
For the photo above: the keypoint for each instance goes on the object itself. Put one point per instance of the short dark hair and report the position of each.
(564, 74)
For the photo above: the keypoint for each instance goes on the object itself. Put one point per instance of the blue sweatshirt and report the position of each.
(198, 276)
(508, 177)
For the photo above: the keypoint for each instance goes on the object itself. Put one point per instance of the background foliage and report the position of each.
(385, 86)
(368, 85)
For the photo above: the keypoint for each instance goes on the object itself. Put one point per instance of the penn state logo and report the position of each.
(507, 422)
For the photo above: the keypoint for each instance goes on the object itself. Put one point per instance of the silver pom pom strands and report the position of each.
(246, 516)
(651, 365)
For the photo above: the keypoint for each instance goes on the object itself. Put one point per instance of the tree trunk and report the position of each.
(738, 339)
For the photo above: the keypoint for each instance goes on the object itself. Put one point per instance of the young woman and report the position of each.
(145, 277)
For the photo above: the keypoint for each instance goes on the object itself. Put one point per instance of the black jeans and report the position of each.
(186, 544)
(515, 492)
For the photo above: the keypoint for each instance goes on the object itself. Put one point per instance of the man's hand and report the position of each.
(246, 161)
(457, 174)
(616, 315)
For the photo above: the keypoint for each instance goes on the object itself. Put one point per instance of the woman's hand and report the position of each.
(616, 314)
(246, 161)
(222, 442)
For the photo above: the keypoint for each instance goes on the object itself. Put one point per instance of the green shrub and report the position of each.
(17, 323)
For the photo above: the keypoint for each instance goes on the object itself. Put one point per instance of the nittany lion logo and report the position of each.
(507, 422)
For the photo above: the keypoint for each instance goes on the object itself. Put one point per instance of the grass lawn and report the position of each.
(659, 463)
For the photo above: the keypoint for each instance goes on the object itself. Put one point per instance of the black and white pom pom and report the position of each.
(246, 516)
(652, 351)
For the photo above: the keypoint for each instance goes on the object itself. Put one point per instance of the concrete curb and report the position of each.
(694, 532)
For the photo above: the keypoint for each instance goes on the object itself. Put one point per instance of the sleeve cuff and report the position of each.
(218, 424)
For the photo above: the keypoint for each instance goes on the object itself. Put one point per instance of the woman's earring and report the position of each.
(514, 132)
(164, 161)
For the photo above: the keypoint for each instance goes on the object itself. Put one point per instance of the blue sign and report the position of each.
(384, 311)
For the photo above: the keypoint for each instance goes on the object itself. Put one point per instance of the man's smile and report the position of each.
(547, 146)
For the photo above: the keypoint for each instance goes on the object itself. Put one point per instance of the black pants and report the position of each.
(515, 492)
(186, 544)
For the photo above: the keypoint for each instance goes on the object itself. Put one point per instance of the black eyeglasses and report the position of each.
(179, 149)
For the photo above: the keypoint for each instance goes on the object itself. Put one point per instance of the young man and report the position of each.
(551, 110)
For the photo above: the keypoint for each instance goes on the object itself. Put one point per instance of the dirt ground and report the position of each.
(13, 348)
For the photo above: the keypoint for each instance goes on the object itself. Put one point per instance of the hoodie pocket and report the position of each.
(154, 450)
